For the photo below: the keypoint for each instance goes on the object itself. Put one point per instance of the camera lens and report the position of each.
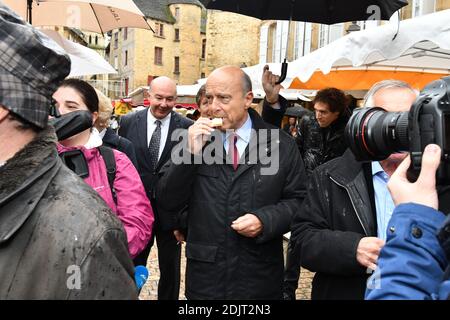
(374, 133)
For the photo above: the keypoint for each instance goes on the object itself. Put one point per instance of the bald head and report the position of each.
(163, 95)
(236, 74)
(163, 82)
(228, 90)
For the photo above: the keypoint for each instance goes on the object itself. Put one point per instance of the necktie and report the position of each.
(233, 151)
(153, 147)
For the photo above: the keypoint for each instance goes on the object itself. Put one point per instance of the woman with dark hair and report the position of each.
(202, 101)
(126, 196)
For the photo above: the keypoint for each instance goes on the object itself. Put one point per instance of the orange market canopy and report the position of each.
(363, 79)
(418, 54)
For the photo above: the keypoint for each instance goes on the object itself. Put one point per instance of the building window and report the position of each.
(271, 42)
(335, 31)
(202, 75)
(125, 33)
(158, 56)
(177, 13)
(96, 40)
(127, 86)
(324, 33)
(176, 68)
(203, 48)
(116, 40)
(126, 58)
(264, 32)
(159, 30)
(177, 34)
(90, 39)
(421, 7)
(116, 63)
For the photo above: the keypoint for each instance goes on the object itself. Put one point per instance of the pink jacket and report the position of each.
(133, 207)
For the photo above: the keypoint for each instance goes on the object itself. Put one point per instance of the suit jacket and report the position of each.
(134, 128)
(113, 140)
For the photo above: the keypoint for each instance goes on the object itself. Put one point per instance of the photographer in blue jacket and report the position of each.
(414, 262)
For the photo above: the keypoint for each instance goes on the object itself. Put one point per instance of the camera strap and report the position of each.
(415, 140)
(76, 161)
(110, 163)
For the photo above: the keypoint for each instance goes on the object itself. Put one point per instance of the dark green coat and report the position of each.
(53, 227)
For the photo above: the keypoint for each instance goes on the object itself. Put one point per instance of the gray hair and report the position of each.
(246, 83)
(385, 84)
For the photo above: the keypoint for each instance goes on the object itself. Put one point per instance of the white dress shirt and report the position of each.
(243, 133)
(151, 126)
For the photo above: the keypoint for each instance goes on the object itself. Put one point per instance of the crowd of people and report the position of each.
(229, 185)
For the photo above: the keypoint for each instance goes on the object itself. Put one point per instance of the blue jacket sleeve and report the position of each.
(412, 263)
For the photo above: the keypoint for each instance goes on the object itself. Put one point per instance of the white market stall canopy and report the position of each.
(419, 53)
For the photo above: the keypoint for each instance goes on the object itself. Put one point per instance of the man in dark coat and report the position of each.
(321, 135)
(143, 129)
(337, 229)
(58, 239)
(320, 138)
(240, 209)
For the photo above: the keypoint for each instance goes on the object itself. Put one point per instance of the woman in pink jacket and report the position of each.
(131, 205)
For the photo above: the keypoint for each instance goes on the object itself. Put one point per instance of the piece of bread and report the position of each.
(217, 122)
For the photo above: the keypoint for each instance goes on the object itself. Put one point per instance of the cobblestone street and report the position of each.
(150, 290)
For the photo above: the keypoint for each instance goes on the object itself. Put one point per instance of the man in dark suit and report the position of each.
(150, 131)
(113, 140)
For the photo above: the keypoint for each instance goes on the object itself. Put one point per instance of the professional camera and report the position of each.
(374, 134)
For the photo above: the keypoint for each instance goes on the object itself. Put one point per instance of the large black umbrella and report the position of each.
(318, 11)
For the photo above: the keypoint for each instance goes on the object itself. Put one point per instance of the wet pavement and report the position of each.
(150, 289)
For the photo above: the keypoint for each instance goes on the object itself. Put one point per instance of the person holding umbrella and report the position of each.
(320, 138)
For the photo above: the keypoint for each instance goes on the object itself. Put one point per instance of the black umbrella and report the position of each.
(318, 11)
(297, 111)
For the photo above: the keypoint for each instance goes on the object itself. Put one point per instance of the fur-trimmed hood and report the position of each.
(50, 222)
(28, 161)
